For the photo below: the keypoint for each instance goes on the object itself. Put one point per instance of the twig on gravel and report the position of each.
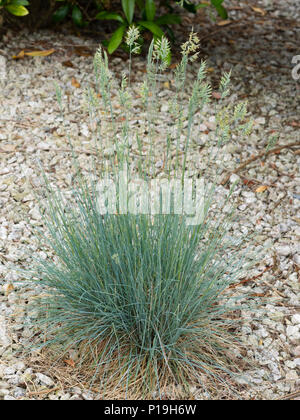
(290, 396)
(43, 392)
(265, 153)
(252, 278)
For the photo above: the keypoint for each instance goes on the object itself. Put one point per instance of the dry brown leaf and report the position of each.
(216, 95)
(224, 22)
(259, 10)
(40, 53)
(262, 188)
(8, 288)
(83, 51)
(20, 55)
(75, 83)
(70, 362)
(68, 63)
(44, 53)
(295, 124)
(248, 182)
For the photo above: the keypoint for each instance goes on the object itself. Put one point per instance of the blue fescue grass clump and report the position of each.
(144, 299)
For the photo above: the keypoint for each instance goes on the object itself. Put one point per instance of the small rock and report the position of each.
(283, 228)
(234, 178)
(202, 127)
(9, 398)
(283, 250)
(45, 380)
(296, 259)
(260, 120)
(296, 319)
(296, 351)
(292, 331)
(292, 376)
(44, 146)
(10, 370)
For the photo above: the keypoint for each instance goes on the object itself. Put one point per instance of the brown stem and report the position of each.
(265, 153)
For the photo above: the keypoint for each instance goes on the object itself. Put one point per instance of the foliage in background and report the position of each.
(193, 6)
(142, 13)
(15, 7)
(144, 300)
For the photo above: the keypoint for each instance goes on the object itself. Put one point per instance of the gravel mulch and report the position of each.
(258, 45)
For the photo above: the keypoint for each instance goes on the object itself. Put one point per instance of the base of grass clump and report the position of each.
(174, 381)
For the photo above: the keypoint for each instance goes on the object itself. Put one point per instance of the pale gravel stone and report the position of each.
(296, 319)
(283, 250)
(44, 379)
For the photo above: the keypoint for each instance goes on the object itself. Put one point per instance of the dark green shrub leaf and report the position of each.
(128, 9)
(201, 5)
(168, 19)
(222, 12)
(152, 27)
(109, 16)
(216, 3)
(116, 39)
(60, 14)
(150, 9)
(189, 7)
(20, 2)
(77, 16)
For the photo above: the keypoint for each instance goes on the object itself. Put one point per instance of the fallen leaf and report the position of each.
(40, 53)
(210, 69)
(20, 55)
(167, 85)
(224, 22)
(8, 288)
(75, 83)
(83, 51)
(248, 182)
(216, 95)
(295, 124)
(262, 188)
(68, 63)
(44, 53)
(70, 362)
(259, 10)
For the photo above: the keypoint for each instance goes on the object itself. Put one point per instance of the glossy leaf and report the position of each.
(17, 10)
(109, 16)
(77, 16)
(152, 27)
(60, 14)
(168, 19)
(128, 9)
(116, 39)
(150, 9)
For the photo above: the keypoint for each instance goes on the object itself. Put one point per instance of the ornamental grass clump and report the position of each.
(143, 296)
